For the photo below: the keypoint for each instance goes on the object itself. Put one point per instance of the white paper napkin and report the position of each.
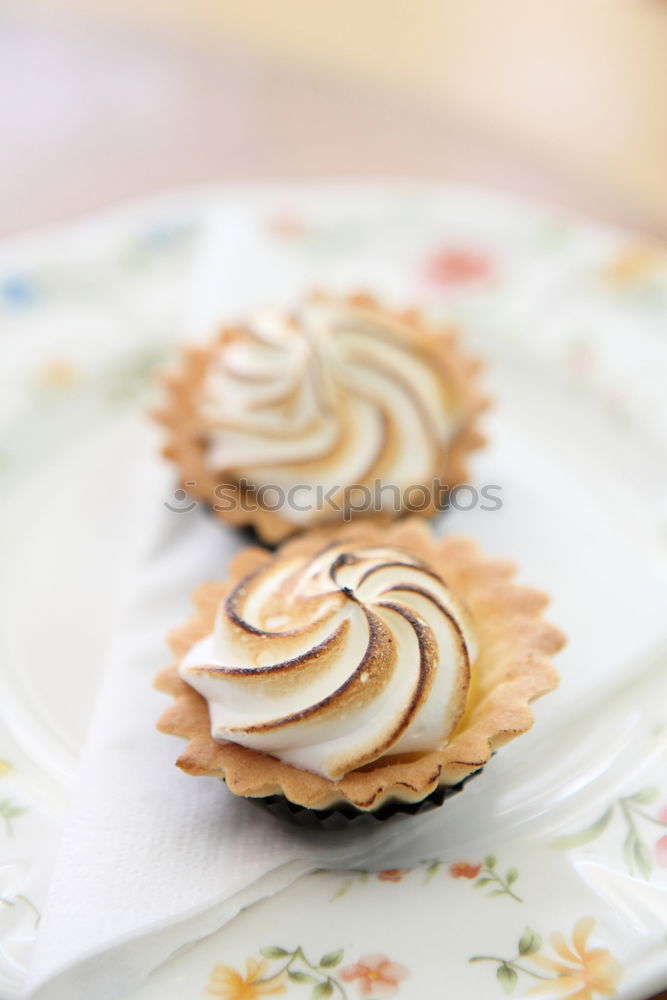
(152, 858)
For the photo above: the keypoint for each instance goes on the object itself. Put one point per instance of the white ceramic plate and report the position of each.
(572, 318)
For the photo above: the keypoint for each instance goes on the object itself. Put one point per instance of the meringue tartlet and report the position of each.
(357, 668)
(340, 408)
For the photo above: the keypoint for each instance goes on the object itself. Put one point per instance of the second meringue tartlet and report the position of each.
(362, 668)
(340, 408)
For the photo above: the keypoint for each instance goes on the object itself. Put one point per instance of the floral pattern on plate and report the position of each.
(9, 807)
(630, 810)
(577, 972)
(374, 975)
(499, 884)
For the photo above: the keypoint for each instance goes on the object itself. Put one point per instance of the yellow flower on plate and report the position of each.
(228, 984)
(583, 972)
(5, 768)
(58, 374)
(634, 263)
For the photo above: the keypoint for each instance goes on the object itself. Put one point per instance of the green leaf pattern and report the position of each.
(637, 855)
(594, 970)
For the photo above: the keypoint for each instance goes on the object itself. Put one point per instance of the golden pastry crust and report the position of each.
(513, 667)
(186, 443)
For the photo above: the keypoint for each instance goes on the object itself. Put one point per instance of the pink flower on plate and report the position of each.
(376, 975)
(393, 874)
(581, 359)
(287, 227)
(457, 266)
(463, 869)
(661, 851)
(662, 813)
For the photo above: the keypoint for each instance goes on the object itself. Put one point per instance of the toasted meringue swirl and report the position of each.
(333, 395)
(332, 661)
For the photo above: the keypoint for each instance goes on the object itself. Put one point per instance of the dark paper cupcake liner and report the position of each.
(340, 816)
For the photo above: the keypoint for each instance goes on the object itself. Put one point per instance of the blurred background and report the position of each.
(105, 99)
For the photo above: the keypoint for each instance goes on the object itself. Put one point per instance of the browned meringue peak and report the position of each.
(512, 667)
(338, 393)
(332, 660)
